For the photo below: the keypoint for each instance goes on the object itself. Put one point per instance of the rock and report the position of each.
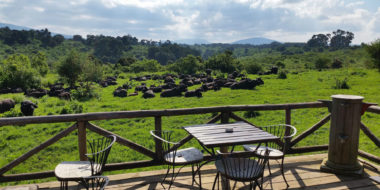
(193, 93)
(148, 94)
(120, 92)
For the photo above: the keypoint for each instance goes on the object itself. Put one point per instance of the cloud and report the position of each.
(215, 21)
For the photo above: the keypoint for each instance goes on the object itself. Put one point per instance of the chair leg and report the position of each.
(270, 173)
(282, 171)
(216, 177)
(192, 174)
(64, 185)
(199, 174)
(166, 175)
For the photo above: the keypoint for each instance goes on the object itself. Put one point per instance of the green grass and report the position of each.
(308, 86)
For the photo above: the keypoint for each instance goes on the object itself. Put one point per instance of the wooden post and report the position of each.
(344, 136)
(82, 140)
(225, 116)
(158, 127)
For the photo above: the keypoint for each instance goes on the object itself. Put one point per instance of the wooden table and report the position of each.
(215, 135)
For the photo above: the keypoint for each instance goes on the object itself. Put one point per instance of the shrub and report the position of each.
(72, 107)
(70, 68)
(85, 92)
(322, 63)
(186, 65)
(251, 114)
(39, 62)
(146, 65)
(280, 64)
(341, 84)
(224, 62)
(17, 72)
(336, 64)
(282, 75)
(253, 68)
(373, 50)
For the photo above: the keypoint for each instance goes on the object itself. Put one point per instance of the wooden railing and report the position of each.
(83, 122)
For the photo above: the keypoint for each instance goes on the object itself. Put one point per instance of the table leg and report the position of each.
(225, 182)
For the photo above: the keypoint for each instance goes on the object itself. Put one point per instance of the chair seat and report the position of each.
(185, 156)
(240, 169)
(73, 170)
(273, 153)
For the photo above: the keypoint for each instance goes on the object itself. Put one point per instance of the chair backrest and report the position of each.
(244, 166)
(284, 131)
(95, 182)
(100, 149)
(168, 148)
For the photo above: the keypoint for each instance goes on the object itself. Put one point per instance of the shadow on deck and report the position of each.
(302, 172)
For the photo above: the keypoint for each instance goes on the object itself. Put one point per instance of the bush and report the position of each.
(341, 84)
(224, 62)
(186, 65)
(282, 75)
(253, 68)
(322, 63)
(72, 107)
(85, 92)
(39, 62)
(373, 50)
(70, 68)
(251, 114)
(336, 64)
(146, 65)
(17, 72)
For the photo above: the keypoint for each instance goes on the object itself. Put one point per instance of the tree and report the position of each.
(341, 39)
(186, 65)
(253, 68)
(148, 65)
(322, 63)
(373, 49)
(319, 40)
(39, 63)
(71, 68)
(17, 72)
(224, 62)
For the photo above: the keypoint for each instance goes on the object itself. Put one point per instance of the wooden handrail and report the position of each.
(151, 113)
(373, 109)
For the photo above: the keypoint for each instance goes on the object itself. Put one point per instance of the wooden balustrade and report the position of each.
(83, 122)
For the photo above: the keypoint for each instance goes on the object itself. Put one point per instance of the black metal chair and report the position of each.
(277, 149)
(173, 157)
(95, 182)
(77, 170)
(243, 167)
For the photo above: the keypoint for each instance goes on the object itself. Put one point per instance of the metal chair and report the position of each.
(77, 170)
(245, 166)
(277, 149)
(95, 182)
(173, 157)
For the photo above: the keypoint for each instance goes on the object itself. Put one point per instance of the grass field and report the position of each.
(306, 86)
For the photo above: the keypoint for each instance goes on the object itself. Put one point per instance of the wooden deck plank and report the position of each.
(302, 172)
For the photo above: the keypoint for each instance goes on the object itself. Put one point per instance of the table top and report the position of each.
(215, 135)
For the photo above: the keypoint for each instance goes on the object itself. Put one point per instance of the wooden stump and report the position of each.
(344, 136)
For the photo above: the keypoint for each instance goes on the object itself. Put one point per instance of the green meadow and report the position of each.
(305, 86)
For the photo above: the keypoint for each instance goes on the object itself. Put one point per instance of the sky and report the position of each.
(217, 21)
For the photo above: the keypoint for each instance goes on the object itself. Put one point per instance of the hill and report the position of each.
(254, 41)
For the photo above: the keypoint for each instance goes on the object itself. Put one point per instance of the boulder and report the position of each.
(148, 94)
(194, 93)
(120, 92)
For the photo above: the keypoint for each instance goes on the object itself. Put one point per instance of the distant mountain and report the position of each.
(191, 41)
(15, 27)
(254, 41)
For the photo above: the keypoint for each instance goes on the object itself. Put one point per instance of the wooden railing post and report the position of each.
(158, 143)
(225, 116)
(82, 140)
(344, 136)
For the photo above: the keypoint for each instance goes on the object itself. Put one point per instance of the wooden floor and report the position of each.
(302, 172)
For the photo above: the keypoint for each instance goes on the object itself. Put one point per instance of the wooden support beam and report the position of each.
(26, 176)
(369, 134)
(214, 119)
(369, 156)
(237, 118)
(82, 145)
(310, 130)
(37, 149)
(122, 140)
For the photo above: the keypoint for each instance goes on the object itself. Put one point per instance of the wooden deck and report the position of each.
(302, 172)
